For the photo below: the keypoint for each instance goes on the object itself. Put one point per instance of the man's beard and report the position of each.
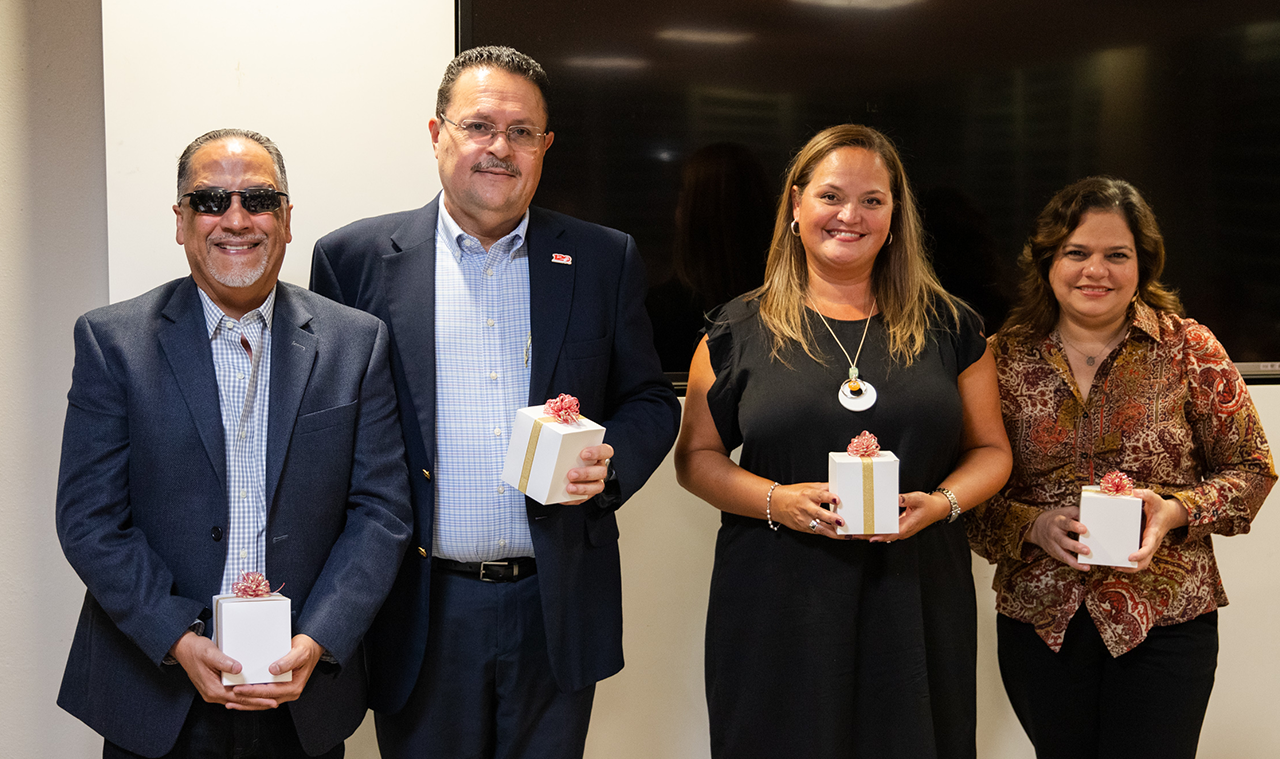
(240, 273)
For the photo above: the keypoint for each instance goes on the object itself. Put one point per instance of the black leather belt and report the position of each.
(502, 570)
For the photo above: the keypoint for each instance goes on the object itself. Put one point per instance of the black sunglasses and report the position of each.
(216, 201)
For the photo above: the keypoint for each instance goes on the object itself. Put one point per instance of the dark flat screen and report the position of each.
(994, 104)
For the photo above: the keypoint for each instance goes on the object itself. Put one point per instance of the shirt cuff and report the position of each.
(196, 627)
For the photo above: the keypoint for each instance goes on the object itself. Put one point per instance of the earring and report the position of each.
(890, 240)
(795, 227)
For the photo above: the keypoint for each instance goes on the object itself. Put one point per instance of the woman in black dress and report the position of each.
(819, 645)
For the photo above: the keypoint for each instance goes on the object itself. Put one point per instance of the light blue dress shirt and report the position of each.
(244, 382)
(482, 347)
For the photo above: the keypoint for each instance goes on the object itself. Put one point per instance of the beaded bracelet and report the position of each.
(768, 502)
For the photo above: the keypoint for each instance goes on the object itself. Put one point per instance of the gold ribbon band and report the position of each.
(532, 449)
(868, 496)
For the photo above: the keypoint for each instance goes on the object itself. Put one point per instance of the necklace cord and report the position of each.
(853, 362)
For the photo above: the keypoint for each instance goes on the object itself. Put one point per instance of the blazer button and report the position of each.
(422, 551)
(216, 534)
(426, 474)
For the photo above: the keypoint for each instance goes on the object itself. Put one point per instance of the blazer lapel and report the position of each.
(185, 342)
(409, 281)
(293, 354)
(550, 296)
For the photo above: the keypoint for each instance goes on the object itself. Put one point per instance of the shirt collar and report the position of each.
(213, 315)
(1145, 319)
(453, 234)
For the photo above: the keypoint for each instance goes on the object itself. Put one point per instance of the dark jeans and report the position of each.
(1082, 703)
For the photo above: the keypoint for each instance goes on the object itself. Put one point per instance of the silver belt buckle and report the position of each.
(484, 564)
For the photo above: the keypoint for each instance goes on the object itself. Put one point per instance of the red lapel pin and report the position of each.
(561, 258)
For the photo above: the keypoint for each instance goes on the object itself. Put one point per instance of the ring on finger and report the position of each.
(813, 525)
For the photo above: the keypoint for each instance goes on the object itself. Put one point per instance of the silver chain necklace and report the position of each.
(855, 394)
(1091, 360)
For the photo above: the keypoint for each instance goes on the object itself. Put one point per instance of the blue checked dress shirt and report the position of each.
(244, 379)
(482, 377)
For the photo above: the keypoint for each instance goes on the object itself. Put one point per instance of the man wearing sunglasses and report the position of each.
(226, 423)
(506, 612)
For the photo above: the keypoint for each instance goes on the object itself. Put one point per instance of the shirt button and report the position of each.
(239, 375)
(502, 544)
(497, 431)
(243, 495)
(488, 272)
(489, 322)
(502, 489)
(244, 554)
(493, 375)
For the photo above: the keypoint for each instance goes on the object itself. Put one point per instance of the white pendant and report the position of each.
(862, 400)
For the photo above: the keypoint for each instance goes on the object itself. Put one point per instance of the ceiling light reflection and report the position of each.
(606, 62)
(864, 5)
(705, 36)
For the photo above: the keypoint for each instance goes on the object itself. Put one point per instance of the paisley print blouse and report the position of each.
(1169, 409)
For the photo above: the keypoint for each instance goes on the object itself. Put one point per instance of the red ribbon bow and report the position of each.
(1117, 483)
(563, 407)
(253, 585)
(864, 446)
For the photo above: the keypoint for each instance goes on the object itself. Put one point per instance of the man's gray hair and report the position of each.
(493, 56)
(184, 161)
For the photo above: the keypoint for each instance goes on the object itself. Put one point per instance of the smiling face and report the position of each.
(1094, 273)
(487, 187)
(235, 257)
(844, 212)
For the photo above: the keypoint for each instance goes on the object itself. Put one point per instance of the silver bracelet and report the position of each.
(768, 503)
(955, 505)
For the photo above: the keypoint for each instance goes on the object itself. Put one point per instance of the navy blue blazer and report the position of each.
(591, 338)
(142, 503)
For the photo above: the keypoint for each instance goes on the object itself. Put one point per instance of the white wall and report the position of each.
(345, 89)
(53, 266)
(353, 151)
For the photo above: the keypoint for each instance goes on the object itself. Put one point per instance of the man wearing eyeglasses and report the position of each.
(506, 612)
(226, 423)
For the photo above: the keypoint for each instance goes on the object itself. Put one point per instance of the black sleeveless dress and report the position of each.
(823, 648)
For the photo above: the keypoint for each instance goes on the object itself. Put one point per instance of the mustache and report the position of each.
(236, 239)
(493, 162)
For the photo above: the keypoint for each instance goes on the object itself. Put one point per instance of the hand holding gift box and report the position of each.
(1113, 516)
(545, 444)
(253, 626)
(865, 479)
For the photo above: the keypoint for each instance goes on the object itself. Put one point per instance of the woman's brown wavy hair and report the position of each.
(1036, 313)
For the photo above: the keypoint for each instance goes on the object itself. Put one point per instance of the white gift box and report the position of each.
(543, 450)
(254, 632)
(1115, 527)
(868, 492)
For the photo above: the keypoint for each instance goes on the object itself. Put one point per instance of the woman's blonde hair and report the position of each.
(902, 279)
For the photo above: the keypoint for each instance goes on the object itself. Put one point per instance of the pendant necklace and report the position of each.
(855, 394)
(1091, 360)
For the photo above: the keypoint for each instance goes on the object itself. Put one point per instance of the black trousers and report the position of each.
(213, 731)
(1081, 703)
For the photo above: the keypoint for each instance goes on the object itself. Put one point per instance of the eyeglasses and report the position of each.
(483, 133)
(216, 201)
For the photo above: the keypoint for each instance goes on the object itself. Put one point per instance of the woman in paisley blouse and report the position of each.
(1099, 371)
